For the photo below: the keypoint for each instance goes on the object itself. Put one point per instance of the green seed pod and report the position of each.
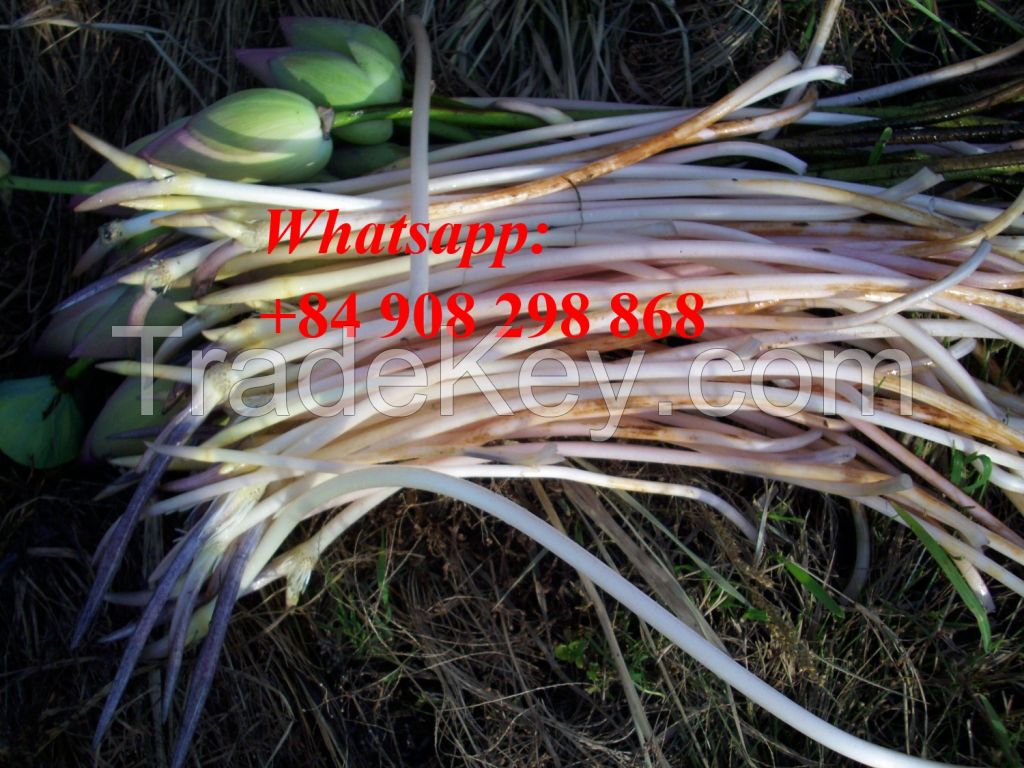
(258, 135)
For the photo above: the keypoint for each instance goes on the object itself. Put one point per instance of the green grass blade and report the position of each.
(706, 568)
(1006, 745)
(817, 591)
(935, 18)
(879, 148)
(1002, 15)
(956, 579)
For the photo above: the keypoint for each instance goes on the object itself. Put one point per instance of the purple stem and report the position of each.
(206, 273)
(206, 665)
(178, 636)
(195, 480)
(143, 629)
(176, 433)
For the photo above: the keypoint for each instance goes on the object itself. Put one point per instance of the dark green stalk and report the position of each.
(444, 131)
(937, 111)
(464, 115)
(961, 168)
(55, 186)
(865, 137)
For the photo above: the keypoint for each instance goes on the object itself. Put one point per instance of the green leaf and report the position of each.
(755, 614)
(956, 579)
(1002, 735)
(813, 586)
(879, 148)
(40, 426)
(573, 652)
(956, 468)
(957, 471)
(981, 482)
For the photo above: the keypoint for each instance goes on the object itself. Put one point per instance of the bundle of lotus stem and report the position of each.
(788, 278)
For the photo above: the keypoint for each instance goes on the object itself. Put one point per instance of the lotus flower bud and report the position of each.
(258, 135)
(320, 34)
(83, 329)
(123, 413)
(331, 69)
(349, 162)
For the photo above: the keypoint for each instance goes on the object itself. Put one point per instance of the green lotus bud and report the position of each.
(335, 35)
(257, 135)
(83, 329)
(124, 413)
(362, 77)
(348, 162)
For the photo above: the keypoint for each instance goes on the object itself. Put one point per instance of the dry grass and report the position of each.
(433, 637)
